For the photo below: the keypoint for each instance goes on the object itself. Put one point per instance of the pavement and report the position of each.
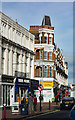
(45, 109)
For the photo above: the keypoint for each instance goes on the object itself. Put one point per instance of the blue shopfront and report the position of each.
(22, 86)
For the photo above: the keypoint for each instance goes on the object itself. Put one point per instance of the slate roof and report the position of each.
(46, 21)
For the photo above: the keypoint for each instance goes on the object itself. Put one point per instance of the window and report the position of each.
(40, 54)
(17, 61)
(3, 51)
(50, 40)
(50, 55)
(45, 55)
(41, 39)
(4, 29)
(50, 72)
(45, 71)
(18, 37)
(13, 34)
(40, 71)
(26, 63)
(22, 63)
(8, 61)
(23, 39)
(37, 36)
(45, 39)
(9, 32)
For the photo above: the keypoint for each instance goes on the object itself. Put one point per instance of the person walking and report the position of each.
(35, 102)
(30, 104)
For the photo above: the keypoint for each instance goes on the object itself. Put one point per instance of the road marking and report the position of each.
(42, 114)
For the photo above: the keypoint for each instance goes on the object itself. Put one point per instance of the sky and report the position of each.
(61, 15)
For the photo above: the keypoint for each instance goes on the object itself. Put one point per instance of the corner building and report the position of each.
(49, 65)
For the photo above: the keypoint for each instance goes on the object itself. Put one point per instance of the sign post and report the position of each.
(40, 88)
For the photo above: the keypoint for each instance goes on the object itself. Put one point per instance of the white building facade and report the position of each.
(16, 60)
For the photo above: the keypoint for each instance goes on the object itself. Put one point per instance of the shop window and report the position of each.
(8, 95)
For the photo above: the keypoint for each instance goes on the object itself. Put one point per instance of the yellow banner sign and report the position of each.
(46, 83)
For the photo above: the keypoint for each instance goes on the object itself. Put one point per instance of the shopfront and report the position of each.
(7, 90)
(21, 88)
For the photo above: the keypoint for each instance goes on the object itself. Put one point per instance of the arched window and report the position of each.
(38, 71)
(45, 71)
(50, 71)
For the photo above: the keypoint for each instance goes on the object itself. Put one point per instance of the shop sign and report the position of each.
(15, 107)
(21, 80)
(7, 80)
(46, 83)
(47, 95)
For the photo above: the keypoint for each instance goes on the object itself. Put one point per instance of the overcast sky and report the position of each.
(61, 14)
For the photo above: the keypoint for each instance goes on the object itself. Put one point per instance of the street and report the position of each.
(55, 115)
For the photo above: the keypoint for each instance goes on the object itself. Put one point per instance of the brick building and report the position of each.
(50, 67)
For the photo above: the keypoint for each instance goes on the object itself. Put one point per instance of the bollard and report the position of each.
(49, 105)
(4, 117)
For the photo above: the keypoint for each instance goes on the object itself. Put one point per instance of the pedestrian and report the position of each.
(57, 95)
(35, 102)
(24, 99)
(56, 99)
(30, 104)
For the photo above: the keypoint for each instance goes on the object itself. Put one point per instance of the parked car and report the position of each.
(72, 113)
(67, 103)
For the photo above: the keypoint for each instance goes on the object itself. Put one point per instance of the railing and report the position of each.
(22, 74)
(44, 76)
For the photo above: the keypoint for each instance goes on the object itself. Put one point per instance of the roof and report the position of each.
(46, 21)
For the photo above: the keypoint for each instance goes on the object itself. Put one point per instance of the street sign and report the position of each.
(40, 88)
